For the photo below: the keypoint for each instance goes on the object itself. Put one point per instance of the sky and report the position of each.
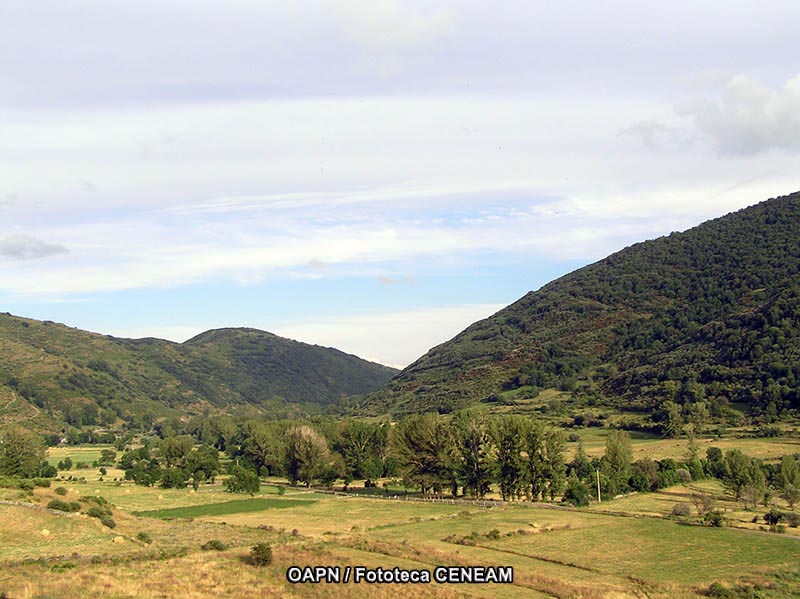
(368, 175)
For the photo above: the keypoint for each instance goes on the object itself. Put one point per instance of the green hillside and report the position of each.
(703, 319)
(51, 374)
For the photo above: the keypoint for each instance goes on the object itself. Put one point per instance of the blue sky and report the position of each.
(370, 175)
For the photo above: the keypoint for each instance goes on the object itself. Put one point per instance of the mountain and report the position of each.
(694, 321)
(51, 374)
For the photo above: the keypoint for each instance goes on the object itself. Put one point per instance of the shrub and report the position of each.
(493, 534)
(573, 437)
(60, 491)
(25, 485)
(792, 519)
(96, 512)
(261, 554)
(719, 591)
(144, 537)
(57, 504)
(681, 509)
(214, 545)
(41, 482)
(714, 518)
(108, 521)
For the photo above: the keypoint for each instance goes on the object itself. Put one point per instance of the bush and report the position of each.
(25, 485)
(94, 499)
(63, 506)
(261, 554)
(719, 591)
(144, 537)
(98, 512)
(493, 534)
(681, 509)
(214, 545)
(573, 437)
(714, 518)
(108, 521)
(60, 491)
(57, 504)
(41, 482)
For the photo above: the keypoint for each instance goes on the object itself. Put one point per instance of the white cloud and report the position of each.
(391, 338)
(750, 117)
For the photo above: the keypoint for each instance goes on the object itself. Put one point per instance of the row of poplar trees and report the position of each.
(473, 452)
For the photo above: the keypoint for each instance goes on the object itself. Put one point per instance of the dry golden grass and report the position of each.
(199, 576)
(561, 553)
(770, 449)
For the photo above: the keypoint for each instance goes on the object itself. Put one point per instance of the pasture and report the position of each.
(626, 548)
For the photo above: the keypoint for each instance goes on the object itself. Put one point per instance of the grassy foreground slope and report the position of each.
(555, 553)
(706, 316)
(51, 374)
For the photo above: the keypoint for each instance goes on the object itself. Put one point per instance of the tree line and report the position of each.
(469, 454)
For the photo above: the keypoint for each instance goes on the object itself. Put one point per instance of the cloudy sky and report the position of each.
(372, 175)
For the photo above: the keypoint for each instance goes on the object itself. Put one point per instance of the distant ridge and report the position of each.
(52, 375)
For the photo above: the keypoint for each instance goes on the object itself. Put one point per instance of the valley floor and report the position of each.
(624, 548)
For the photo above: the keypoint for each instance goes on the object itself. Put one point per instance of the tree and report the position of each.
(581, 465)
(703, 503)
(735, 475)
(789, 473)
(421, 444)
(21, 452)
(262, 447)
(242, 480)
(361, 445)
(555, 468)
(174, 450)
(673, 418)
(756, 482)
(173, 478)
(307, 454)
(617, 461)
(577, 492)
(472, 452)
(791, 495)
(509, 433)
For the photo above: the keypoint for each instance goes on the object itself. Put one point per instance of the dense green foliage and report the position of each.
(21, 453)
(678, 327)
(53, 375)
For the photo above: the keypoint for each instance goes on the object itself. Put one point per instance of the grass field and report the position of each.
(240, 506)
(628, 548)
(655, 447)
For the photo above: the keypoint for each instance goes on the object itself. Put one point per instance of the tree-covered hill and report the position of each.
(688, 322)
(51, 374)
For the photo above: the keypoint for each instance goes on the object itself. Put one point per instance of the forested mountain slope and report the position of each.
(51, 374)
(703, 317)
